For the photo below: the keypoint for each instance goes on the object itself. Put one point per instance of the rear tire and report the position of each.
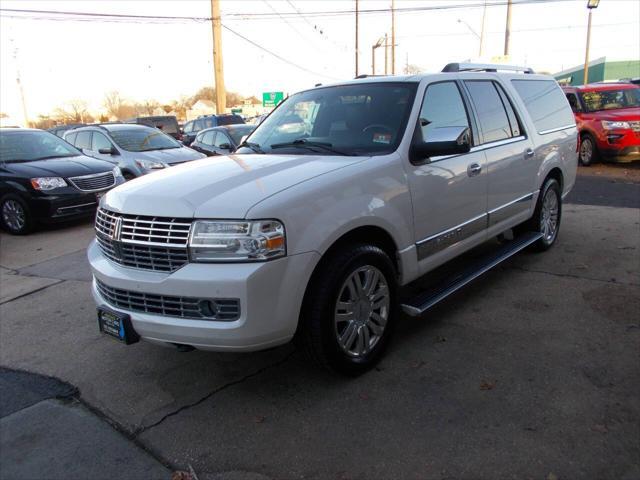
(547, 215)
(588, 150)
(349, 310)
(15, 215)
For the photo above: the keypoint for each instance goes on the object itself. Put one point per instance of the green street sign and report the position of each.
(271, 99)
(236, 110)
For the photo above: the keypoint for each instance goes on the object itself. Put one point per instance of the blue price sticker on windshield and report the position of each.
(382, 138)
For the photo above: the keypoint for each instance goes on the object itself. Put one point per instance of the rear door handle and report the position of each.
(474, 169)
(529, 153)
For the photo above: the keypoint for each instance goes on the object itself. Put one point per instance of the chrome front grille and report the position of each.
(172, 306)
(144, 242)
(94, 183)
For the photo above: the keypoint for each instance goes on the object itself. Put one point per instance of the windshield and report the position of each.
(142, 139)
(29, 146)
(238, 132)
(598, 100)
(359, 119)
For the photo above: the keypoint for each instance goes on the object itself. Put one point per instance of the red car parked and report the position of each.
(608, 118)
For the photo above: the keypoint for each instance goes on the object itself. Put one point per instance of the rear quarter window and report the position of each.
(546, 103)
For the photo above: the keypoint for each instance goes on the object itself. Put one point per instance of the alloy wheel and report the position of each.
(13, 215)
(549, 217)
(362, 311)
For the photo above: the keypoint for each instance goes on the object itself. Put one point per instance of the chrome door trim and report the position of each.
(499, 143)
(451, 236)
(551, 130)
(510, 209)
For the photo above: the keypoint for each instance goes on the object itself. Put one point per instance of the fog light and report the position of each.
(208, 308)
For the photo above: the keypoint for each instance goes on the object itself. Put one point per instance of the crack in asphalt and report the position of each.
(59, 281)
(143, 429)
(570, 275)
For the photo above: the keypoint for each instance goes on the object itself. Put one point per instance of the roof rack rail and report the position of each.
(367, 75)
(484, 67)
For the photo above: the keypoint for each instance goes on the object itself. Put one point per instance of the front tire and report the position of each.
(15, 215)
(349, 310)
(588, 150)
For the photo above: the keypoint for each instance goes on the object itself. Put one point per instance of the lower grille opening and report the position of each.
(226, 310)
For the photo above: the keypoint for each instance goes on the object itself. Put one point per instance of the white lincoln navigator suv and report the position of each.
(339, 199)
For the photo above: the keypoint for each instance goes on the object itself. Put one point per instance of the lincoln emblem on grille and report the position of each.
(114, 234)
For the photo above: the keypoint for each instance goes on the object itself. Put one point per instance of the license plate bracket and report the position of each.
(117, 325)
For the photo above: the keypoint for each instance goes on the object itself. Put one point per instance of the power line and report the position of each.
(279, 57)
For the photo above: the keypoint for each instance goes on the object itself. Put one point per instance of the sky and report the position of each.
(62, 59)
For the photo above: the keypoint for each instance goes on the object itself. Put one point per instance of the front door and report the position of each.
(449, 194)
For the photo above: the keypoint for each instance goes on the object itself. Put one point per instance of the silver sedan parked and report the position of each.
(136, 149)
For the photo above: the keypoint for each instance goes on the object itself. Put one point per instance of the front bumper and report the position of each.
(270, 295)
(623, 155)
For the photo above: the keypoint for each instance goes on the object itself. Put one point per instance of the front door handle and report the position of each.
(474, 169)
(529, 153)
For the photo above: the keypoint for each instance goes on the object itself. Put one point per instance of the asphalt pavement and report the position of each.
(530, 372)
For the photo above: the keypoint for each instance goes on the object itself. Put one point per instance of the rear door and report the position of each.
(512, 164)
(449, 194)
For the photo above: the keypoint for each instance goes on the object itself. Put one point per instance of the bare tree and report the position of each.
(73, 111)
(147, 107)
(117, 106)
(411, 69)
(3, 115)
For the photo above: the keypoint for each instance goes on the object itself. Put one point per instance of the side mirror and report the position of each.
(442, 141)
(224, 146)
(108, 151)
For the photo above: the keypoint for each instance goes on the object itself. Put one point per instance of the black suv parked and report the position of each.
(167, 123)
(43, 178)
(192, 128)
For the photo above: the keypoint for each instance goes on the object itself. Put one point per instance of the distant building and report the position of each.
(201, 107)
(600, 70)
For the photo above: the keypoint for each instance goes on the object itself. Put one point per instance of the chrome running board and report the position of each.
(421, 302)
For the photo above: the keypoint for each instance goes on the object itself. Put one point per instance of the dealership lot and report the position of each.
(530, 371)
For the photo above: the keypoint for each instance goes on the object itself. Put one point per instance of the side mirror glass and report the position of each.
(442, 141)
(224, 146)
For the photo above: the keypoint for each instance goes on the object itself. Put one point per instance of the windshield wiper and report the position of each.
(304, 143)
(253, 146)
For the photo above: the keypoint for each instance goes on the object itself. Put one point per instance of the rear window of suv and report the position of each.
(547, 105)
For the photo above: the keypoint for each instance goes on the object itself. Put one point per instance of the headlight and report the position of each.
(117, 172)
(150, 164)
(220, 241)
(607, 125)
(48, 183)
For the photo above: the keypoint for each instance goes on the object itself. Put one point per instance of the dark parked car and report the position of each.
(192, 127)
(167, 123)
(45, 179)
(59, 130)
(221, 140)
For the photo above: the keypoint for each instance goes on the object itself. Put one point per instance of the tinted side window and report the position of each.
(442, 107)
(83, 140)
(514, 122)
(545, 102)
(573, 102)
(208, 137)
(71, 138)
(188, 127)
(492, 116)
(197, 125)
(99, 141)
(221, 139)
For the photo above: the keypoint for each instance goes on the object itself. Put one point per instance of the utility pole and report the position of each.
(20, 88)
(484, 16)
(507, 30)
(591, 4)
(357, 69)
(386, 54)
(216, 29)
(393, 37)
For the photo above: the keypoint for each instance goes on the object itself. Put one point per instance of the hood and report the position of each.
(218, 187)
(623, 114)
(170, 155)
(59, 167)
